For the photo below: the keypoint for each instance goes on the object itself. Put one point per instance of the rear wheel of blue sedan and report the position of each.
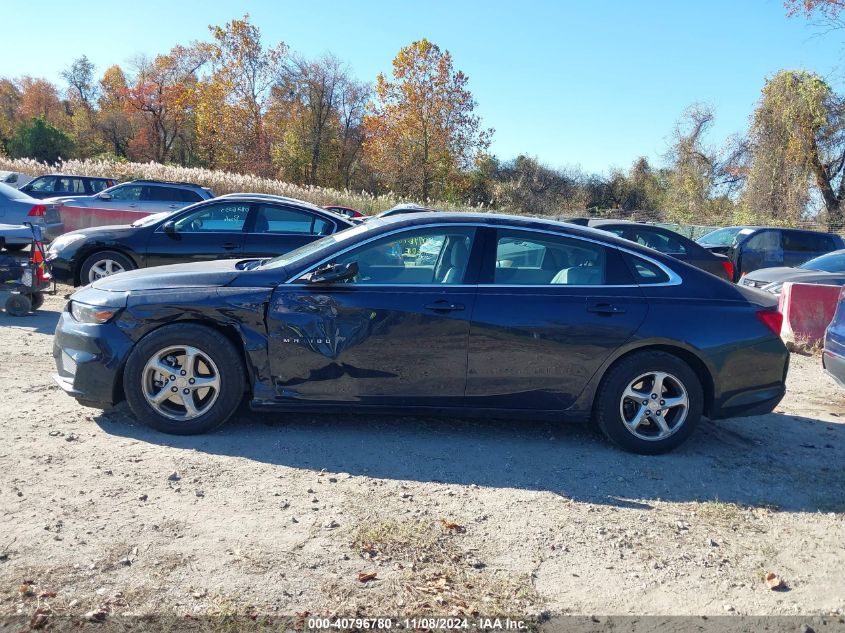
(184, 379)
(649, 402)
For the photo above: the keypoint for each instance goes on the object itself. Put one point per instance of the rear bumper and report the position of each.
(753, 382)
(89, 360)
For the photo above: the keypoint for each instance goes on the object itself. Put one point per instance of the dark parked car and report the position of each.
(825, 269)
(53, 185)
(241, 225)
(671, 243)
(833, 357)
(753, 247)
(129, 201)
(587, 324)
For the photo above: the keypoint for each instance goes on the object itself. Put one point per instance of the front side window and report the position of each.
(126, 192)
(532, 259)
(809, 243)
(273, 219)
(98, 185)
(217, 218)
(415, 257)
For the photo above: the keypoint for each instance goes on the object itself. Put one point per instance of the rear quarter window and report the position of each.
(645, 272)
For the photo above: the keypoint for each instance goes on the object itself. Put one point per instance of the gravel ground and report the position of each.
(281, 514)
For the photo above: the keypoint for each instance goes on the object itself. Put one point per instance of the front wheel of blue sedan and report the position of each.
(184, 379)
(649, 402)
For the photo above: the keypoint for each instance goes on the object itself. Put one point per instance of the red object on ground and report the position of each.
(85, 217)
(807, 310)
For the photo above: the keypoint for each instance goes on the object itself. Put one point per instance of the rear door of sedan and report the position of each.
(275, 229)
(550, 309)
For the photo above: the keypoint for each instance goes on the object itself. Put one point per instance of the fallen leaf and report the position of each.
(775, 582)
(366, 576)
(47, 594)
(25, 589)
(39, 618)
(451, 525)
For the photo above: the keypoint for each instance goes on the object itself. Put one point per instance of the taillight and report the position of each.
(729, 269)
(772, 319)
(37, 211)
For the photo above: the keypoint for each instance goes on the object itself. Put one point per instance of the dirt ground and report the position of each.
(280, 514)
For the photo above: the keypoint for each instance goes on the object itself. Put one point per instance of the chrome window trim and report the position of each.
(674, 278)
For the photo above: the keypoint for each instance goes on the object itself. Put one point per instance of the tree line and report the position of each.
(234, 103)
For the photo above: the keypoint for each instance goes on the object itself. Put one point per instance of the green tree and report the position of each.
(39, 140)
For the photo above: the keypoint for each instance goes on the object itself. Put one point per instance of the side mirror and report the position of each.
(169, 227)
(333, 273)
(104, 196)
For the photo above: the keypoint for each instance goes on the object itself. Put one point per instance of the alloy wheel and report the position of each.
(104, 268)
(180, 382)
(654, 406)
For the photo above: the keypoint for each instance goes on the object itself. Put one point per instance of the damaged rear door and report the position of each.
(395, 334)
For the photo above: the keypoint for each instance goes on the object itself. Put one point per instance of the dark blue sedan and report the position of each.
(446, 313)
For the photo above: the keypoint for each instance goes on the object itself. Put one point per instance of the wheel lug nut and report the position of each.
(662, 402)
(654, 396)
(191, 381)
(186, 391)
(645, 401)
(183, 372)
(174, 389)
(173, 378)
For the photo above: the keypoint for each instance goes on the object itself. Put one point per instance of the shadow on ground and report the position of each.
(40, 321)
(785, 462)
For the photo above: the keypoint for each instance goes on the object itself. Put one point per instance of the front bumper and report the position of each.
(89, 360)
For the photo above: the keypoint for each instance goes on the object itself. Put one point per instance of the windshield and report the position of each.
(829, 263)
(720, 237)
(11, 193)
(304, 251)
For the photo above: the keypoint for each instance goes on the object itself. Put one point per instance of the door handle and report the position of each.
(444, 306)
(605, 308)
(229, 246)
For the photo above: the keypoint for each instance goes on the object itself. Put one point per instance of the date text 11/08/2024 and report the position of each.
(433, 623)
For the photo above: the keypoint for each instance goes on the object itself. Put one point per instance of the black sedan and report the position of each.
(237, 225)
(459, 313)
(671, 243)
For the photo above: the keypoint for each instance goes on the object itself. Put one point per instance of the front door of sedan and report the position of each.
(276, 230)
(396, 334)
(550, 310)
(213, 231)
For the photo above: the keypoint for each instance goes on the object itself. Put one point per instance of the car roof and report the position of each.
(169, 183)
(74, 176)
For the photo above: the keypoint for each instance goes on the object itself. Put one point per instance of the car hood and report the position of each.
(781, 273)
(195, 275)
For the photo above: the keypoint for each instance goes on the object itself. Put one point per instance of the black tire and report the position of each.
(37, 299)
(607, 414)
(18, 305)
(16, 247)
(210, 342)
(101, 256)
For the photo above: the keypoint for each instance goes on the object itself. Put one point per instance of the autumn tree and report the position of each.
(797, 146)
(10, 99)
(421, 131)
(116, 120)
(164, 96)
(234, 100)
(38, 139)
(40, 98)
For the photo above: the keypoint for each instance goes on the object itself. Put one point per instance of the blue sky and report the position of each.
(590, 84)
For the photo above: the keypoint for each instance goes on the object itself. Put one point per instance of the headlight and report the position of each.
(774, 288)
(63, 241)
(85, 313)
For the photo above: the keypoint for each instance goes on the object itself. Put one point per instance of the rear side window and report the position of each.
(525, 258)
(188, 195)
(273, 219)
(162, 194)
(69, 185)
(42, 184)
(809, 243)
(99, 185)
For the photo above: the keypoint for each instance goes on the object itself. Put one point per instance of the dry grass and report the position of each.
(421, 569)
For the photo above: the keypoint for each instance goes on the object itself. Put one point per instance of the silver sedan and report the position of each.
(16, 208)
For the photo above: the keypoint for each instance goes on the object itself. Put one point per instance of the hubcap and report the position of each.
(654, 406)
(180, 382)
(104, 268)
